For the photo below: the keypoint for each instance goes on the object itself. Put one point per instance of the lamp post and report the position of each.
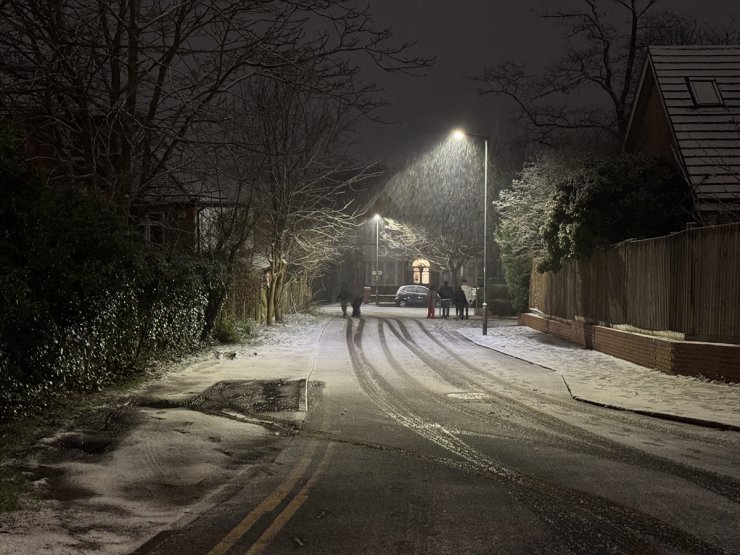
(459, 134)
(377, 219)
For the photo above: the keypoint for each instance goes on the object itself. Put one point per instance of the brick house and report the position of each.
(178, 212)
(687, 109)
(674, 307)
(166, 214)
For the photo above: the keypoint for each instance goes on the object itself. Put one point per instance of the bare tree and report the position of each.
(112, 92)
(441, 248)
(588, 92)
(304, 216)
(227, 179)
(440, 197)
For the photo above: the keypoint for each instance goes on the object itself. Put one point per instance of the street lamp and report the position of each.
(377, 219)
(459, 134)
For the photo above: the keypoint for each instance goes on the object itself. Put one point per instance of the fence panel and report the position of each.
(714, 294)
(688, 282)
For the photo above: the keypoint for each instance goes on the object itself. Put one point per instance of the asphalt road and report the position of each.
(419, 441)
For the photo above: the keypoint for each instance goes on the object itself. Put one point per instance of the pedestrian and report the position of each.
(344, 298)
(356, 301)
(431, 302)
(469, 296)
(461, 303)
(446, 294)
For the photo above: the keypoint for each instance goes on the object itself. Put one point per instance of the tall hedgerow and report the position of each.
(83, 302)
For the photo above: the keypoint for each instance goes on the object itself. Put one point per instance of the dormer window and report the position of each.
(704, 92)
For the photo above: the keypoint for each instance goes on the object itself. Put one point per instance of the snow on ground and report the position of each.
(111, 502)
(115, 504)
(602, 379)
(593, 376)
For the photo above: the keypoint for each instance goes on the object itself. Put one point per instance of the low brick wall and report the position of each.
(634, 347)
(689, 358)
(556, 328)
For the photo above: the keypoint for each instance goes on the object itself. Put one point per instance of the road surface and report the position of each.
(418, 441)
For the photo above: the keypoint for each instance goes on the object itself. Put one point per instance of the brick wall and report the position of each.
(719, 361)
(583, 333)
(555, 327)
(634, 347)
(688, 358)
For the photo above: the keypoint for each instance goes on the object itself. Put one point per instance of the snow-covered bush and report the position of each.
(83, 304)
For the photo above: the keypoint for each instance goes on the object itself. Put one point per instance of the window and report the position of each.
(154, 227)
(704, 92)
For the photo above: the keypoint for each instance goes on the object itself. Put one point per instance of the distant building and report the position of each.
(396, 267)
(687, 109)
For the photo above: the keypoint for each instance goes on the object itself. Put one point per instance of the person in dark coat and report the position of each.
(356, 301)
(344, 298)
(446, 294)
(461, 303)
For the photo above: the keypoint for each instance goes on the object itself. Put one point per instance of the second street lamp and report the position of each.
(376, 273)
(459, 134)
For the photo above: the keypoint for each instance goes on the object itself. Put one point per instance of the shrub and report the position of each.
(607, 200)
(230, 330)
(83, 303)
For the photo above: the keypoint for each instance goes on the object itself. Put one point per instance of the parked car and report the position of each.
(411, 295)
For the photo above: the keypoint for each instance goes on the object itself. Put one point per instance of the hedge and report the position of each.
(83, 302)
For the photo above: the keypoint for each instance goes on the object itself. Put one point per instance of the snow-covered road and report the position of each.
(417, 439)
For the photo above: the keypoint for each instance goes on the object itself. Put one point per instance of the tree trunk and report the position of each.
(278, 297)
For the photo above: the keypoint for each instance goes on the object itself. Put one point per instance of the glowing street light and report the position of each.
(459, 134)
(377, 220)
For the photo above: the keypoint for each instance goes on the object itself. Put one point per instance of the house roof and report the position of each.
(699, 87)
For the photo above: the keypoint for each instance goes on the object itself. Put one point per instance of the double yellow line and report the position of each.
(271, 502)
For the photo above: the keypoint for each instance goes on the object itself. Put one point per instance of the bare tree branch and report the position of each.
(112, 92)
(607, 39)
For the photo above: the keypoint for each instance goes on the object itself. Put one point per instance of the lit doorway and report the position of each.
(420, 269)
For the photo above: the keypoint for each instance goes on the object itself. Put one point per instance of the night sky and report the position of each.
(466, 36)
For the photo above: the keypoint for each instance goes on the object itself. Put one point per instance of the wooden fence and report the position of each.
(687, 283)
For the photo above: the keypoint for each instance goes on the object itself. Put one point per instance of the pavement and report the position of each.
(600, 379)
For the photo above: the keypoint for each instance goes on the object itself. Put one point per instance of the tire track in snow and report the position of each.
(585, 522)
(725, 486)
